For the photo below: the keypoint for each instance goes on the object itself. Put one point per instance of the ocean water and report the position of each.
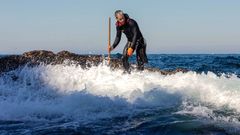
(61, 99)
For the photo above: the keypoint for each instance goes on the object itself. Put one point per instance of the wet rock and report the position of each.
(12, 62)
(166, 72)
(39, 56)
(36, 57)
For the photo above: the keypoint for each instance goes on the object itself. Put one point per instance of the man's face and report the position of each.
(120, 18)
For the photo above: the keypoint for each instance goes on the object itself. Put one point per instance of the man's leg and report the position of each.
(140, 63)
(144, 55)
(125, 58)
(141, 55)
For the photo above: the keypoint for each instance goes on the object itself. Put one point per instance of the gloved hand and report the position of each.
(130, 52)
(110, 49)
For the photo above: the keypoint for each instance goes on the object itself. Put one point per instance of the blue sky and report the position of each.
(80, 26)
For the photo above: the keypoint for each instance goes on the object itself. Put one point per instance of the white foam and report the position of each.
(60, 91)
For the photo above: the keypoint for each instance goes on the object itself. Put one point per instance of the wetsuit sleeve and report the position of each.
(134, 31)
(118, 38)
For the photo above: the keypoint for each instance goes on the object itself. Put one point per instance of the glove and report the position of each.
(129, 51)
(110, 49)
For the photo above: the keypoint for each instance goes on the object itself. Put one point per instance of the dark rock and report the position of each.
(38, 54)
(36, 57)
(12, 62)
(166, 72)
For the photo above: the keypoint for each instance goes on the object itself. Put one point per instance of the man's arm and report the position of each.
(118, 38)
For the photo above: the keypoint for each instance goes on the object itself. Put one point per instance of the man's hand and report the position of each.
(110, 49)
(129, 51)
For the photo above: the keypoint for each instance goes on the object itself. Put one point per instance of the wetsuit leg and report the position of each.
(125, 58)
(140, 63)
(144, 55)
(141, 55)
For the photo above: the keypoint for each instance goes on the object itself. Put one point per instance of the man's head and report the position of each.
(120, 17)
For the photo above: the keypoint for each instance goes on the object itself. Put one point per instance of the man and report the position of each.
(135, 40)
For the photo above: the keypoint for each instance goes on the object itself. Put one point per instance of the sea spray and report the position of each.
(70, 93)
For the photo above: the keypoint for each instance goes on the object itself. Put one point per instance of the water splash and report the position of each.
(60, 92)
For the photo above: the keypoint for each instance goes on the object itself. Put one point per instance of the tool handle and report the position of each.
(109, 39)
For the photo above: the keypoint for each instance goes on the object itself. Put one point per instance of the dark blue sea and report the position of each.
(69, 100)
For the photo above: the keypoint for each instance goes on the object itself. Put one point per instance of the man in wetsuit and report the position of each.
(135, 40)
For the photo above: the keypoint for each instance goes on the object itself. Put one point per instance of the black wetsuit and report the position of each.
(135, 41)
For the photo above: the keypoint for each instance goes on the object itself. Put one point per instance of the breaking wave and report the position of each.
(61, 92)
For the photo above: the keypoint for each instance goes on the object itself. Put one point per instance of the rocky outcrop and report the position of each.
(37, 57)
